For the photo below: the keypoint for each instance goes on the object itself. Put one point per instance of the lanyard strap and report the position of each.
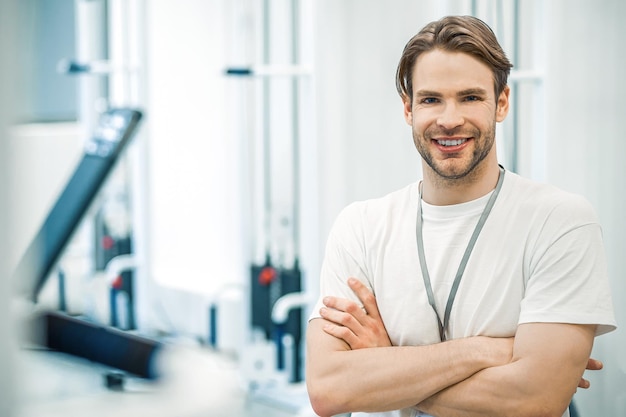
(470, 246)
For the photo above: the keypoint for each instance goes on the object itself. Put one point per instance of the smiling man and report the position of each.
(474, 292)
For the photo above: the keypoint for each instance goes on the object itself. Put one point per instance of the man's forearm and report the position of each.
(549, 360)
(496, 392)
(390, 378)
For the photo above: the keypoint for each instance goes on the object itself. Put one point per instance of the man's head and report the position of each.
(452, 78)
(454, 34)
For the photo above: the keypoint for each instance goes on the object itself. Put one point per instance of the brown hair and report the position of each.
(466, 34)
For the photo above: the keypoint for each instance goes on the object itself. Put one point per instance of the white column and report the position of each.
(8, 17)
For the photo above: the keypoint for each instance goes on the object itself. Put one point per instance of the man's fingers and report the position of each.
(365, 295)
(345, 305)
(341, 318)
(340, 332)
(359, 327)
(594, 365)
(584, 383)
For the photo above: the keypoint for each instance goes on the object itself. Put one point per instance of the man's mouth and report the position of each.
(451, 142)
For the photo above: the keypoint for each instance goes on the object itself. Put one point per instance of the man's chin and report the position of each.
(452, 172)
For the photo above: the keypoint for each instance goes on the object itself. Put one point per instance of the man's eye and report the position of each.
(472, 98)
(429, 100)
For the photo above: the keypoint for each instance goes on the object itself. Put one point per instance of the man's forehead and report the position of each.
(445, 71)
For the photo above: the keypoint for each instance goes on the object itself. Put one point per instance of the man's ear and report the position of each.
(408, 109)
(502, 105)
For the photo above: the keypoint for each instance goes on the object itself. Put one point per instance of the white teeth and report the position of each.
(454, 142)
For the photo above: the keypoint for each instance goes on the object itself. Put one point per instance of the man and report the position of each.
(472, 293)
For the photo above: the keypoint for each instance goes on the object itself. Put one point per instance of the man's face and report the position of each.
(453, 113)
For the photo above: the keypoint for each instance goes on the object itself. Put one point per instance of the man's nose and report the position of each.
(450, 116)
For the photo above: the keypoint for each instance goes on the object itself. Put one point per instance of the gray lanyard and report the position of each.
(457, 279)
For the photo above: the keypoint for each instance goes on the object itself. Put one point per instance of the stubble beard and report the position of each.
(459, 174)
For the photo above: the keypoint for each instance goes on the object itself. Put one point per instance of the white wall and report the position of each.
(43, 157)
(194, 208)
(193, 177)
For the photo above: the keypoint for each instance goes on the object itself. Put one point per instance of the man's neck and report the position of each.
(442, 192)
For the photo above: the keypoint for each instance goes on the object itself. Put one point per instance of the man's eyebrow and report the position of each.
(427, 93)
(463, 93)
(472, 92)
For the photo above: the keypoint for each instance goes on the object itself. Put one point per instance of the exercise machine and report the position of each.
(54, 329)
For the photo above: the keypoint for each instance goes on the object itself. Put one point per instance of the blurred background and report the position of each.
(252, 123)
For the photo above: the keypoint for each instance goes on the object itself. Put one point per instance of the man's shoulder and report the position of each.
(374, 213)
(531, 196)
(400, 199)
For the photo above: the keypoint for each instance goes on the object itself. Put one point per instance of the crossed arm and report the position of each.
(352, 366)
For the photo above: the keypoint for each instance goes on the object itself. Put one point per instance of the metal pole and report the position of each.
(295, 55)
(91, 45)
(267, 166)
(515, 90)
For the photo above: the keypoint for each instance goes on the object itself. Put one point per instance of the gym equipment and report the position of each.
(61, 332)
(277, 276)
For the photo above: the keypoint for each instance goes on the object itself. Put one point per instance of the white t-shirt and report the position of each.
(539, 258)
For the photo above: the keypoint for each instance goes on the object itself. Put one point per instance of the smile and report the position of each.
(451, 142)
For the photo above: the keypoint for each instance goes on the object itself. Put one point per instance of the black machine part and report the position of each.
(105, 345)
(102, 151)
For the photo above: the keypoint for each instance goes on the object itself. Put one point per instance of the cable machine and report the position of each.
(276, 279)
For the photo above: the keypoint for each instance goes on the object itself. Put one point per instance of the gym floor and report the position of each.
(196, 382)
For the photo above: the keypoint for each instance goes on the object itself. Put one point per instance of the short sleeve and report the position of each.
(344, 257)
(568, 281)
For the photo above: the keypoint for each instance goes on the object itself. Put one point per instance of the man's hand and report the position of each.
(592, 365)
(358, 327)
